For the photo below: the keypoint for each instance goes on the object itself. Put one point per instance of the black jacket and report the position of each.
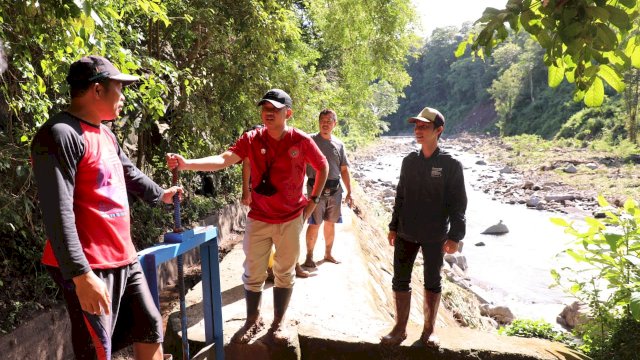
(431, 199)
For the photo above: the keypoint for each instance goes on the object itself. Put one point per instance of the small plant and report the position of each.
(533, 329)
(608, 278)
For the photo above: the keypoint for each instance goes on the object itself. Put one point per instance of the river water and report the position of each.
(511, 269)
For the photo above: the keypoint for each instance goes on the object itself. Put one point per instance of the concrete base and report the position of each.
(341, 311)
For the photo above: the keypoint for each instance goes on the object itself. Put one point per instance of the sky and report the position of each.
(436, 13)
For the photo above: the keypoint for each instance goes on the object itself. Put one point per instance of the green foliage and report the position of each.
(588, 42)
(591, 123)
(623, 344)
(608, 273)
(440, 81)
(513, 81)
(203, 64)
(533, 329)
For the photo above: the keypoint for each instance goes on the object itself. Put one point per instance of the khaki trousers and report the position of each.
(259, 237)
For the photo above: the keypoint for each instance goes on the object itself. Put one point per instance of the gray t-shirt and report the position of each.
(333, 150)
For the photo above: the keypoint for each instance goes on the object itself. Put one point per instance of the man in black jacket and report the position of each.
(429, 213)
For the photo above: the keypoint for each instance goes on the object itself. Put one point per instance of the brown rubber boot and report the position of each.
(254, 322)
(278, 329)
(431, 304)
(399, 331)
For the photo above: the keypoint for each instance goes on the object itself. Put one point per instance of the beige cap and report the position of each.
(429, 115)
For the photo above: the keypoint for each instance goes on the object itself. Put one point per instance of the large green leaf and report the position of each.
(594, 96)
(462, 47)
(555, 75)
(618, 17)
(597, 12)
(559, 221)
(628, 3)
(611, 77)
(635, 305)
(630, 204)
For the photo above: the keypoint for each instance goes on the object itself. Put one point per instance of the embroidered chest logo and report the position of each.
(436, 172)
(294, 152)
(335, 152)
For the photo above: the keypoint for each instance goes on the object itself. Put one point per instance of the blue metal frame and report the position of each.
(177, 244)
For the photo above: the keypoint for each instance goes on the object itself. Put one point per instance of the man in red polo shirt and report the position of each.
(278, 155)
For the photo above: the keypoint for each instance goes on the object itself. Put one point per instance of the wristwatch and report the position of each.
(315, 199)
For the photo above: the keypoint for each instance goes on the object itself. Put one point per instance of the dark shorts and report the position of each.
(134, 317)
(327, 209)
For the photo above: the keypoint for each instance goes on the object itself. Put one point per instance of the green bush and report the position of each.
(605, 122)
(608, 277)
(624, 343)
(533, 329)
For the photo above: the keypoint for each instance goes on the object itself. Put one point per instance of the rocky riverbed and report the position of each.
(539, 189)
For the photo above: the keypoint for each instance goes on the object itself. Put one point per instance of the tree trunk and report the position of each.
(141, 149)
(631, 97)
(531, 85)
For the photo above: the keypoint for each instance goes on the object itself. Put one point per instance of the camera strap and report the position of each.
(277, 151)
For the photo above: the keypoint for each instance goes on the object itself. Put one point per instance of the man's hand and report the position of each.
(167, 197)
(246, 199)
(450, 246)
(308, 210)
(92, 293)
(175, 160)
(348, 200)
(392, 237)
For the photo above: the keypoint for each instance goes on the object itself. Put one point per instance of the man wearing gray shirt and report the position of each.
(328, 208)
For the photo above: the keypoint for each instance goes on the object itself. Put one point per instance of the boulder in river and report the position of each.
(572, 315)
(570, 169)
(501, 314)
(497, 229)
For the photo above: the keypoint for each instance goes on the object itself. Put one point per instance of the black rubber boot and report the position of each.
(278, 329)
(254, 322)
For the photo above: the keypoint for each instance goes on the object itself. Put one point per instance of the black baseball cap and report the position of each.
(96, 68)
(278, 98)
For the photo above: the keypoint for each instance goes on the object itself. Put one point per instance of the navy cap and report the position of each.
(96, 68)
(278, 98)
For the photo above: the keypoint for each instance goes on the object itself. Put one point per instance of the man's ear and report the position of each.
(289, 112)
(97, 89)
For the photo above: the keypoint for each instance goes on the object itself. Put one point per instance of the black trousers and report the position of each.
(404, 255)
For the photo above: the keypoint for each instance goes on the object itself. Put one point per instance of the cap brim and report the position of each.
(124, 78)
(278, 105)
(419, 118)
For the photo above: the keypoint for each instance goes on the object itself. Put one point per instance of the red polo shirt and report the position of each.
(287, 158)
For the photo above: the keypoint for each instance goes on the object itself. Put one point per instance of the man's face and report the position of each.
(326, 123)
(111, 99)
(426, 132)
(272, 117)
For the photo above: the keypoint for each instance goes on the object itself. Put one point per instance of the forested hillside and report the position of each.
(512, 83)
